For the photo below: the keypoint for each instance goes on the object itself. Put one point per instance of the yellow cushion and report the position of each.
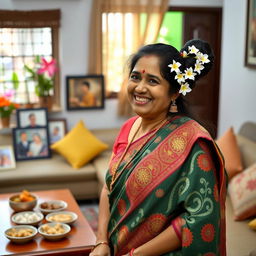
(252, 224)
(79, 146)
(230, 150)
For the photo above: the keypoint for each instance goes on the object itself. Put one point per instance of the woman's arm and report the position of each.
(102, 236)
(165, 242)
(103, 215)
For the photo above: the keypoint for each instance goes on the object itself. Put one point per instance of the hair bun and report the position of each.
(204, 48)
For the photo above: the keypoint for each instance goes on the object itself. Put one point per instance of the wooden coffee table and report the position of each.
(79, 242)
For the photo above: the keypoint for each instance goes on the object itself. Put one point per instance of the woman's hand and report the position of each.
(101, 250)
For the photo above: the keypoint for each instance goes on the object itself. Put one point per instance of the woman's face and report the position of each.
(148, 91)
(36, 139)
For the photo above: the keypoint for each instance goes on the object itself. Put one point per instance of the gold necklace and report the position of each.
(115, 176)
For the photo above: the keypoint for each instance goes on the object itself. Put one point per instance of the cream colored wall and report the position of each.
(238, 83)
(238, 86)
(74, 32)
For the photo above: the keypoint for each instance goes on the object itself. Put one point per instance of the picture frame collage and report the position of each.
(35, 132)
(32, 137)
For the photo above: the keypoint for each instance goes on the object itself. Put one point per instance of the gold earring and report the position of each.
(173, 107)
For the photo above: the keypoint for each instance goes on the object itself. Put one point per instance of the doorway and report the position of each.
(203, 23)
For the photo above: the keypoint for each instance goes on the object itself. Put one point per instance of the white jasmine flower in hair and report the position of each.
(203, 58)
(198, 67)
(184, 89)
(174, 66)
(193, 49)
(180, 77)
(189, 74)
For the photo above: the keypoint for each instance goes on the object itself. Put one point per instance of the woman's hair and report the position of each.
(166, 54)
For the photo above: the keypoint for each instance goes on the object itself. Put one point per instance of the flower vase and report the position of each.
(5, 121)
(46, 102)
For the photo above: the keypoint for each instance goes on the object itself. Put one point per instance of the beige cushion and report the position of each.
(242, 191)
(46, 170)
(247, 149)
(107, 136)
(230, 150)
(101, 164)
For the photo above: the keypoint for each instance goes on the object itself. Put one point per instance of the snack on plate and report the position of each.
(50, 206)
(24, 196)
(53, 230)
(27, 217)
(20, 232)
(61, 217)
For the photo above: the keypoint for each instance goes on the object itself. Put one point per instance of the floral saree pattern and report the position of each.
(170, 177)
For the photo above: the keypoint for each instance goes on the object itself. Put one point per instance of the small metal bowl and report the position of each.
(57, 205)
(51, 235)
(63, 217)
(22, 206)
(27, 218)
(20, 239)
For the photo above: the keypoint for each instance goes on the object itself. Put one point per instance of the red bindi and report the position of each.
(143, 71)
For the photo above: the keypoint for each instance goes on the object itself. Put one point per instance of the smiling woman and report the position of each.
(165, 187)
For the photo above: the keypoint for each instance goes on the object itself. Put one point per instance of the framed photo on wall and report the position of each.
(85, 92)
(250, 50)
(7, 160)
(32, 118)
(57, 129)
(31, 143)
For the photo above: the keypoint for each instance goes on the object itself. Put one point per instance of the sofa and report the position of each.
(241, 240)
(86, 182)
(56, 173)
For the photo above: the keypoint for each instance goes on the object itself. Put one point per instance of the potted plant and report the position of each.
(43, 74)
(6, 108)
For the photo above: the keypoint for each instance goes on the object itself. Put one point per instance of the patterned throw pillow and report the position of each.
(242, 191)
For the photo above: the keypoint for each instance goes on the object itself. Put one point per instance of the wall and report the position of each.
(238, 87)
(201, 3)
(74, 31)
(238, 83)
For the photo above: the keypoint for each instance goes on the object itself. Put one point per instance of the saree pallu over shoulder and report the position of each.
(170, 176)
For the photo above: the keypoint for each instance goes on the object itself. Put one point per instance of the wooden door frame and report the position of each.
(218, 12)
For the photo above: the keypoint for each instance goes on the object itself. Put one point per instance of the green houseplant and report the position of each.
(43, 74)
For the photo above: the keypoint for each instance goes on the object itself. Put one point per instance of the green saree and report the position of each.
(171, 174)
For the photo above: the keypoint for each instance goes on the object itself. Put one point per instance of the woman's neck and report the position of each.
(143, 126)
(147, 125)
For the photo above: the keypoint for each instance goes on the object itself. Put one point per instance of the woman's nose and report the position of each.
(141, 86)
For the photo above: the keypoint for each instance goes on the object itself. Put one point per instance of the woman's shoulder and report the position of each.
(126, 127)
(122, 137)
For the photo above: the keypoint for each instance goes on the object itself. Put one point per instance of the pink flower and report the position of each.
(251, 185)
(48, 67)
(9, 94)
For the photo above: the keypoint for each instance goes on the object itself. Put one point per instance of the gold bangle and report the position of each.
(99, 243)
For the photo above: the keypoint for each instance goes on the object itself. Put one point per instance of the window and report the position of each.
(121, 39)
(171, 29)
(116, 48)
(24, 35)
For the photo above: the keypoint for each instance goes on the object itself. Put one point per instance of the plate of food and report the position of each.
(27, 218)
(21, 234)
(24, 201)
(66, 217)
(52, 206)
(54, 230)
